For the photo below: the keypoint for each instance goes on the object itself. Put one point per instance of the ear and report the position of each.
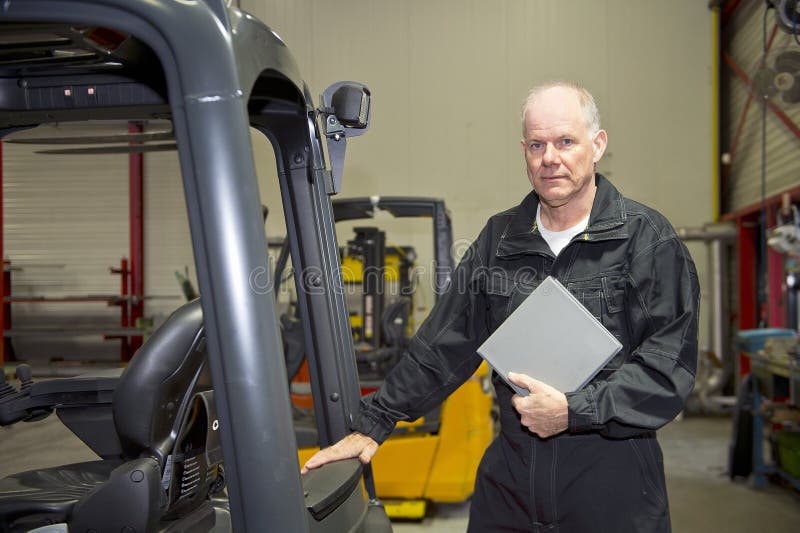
(522, 145)
(599, 143)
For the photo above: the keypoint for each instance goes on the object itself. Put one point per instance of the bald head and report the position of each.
(585, 100)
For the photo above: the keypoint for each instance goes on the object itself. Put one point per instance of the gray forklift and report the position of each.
(196, 434)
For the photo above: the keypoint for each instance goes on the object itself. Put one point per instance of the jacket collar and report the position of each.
(607, 220)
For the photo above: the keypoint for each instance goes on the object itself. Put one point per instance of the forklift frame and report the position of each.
(220, 71)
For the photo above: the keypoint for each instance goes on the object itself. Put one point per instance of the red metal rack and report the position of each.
(130, 306)
(131, 271)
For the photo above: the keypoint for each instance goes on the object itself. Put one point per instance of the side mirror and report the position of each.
(345, 113)
(348, 103)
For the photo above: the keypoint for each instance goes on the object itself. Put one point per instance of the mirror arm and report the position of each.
(336, 141)
(336, 148)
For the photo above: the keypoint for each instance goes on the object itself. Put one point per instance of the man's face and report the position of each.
(559, 150)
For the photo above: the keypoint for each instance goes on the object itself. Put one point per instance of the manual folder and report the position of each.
(551, 337)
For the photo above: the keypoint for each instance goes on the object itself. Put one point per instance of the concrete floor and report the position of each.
(702, 498)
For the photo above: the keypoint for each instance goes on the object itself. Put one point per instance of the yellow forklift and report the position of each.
(434, 458)
(379, 283)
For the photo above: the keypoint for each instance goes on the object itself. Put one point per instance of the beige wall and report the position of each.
(448, 78)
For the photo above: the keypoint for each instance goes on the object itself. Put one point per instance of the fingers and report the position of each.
(368, 452)
(340, 450)
(320, 458)
(523, 380)
(545, 412)
(353, 445)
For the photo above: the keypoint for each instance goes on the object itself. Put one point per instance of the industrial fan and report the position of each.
(776, 77)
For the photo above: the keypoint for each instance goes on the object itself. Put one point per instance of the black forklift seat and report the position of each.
(155, 405)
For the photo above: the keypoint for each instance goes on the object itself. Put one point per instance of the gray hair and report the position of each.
(589, 107)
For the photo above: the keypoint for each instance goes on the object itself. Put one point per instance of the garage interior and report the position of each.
(701, 102)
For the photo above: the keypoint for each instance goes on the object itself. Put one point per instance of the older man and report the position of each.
(585, 461)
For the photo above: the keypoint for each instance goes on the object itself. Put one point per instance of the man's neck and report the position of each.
(561, 217)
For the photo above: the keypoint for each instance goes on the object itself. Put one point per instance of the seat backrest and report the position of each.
(164, 415)
(156, 388)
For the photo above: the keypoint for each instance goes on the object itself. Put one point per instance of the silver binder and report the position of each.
(551, 337)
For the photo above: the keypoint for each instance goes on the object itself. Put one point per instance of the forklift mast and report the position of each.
(370, 244)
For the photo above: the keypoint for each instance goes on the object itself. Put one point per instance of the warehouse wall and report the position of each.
(448, 78)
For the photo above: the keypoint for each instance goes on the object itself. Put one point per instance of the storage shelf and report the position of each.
(110, 298)
(764, 369)
(115, 332)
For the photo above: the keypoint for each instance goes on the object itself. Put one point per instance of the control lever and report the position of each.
(6, 389)
(17, 405)
(25, 376)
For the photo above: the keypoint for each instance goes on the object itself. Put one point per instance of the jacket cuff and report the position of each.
(582, 411)
(372, 424)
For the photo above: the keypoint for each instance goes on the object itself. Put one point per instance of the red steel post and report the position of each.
(125, 342)
(746, 253)
(136, 221)
(2, 256)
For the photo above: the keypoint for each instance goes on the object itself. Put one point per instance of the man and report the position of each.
(585, 461)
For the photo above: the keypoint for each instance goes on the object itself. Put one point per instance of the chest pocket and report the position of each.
(604, 297)
(504, 295)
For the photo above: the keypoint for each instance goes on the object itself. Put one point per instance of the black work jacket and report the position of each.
(629, 268)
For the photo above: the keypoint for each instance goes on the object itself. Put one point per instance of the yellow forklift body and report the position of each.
(467, 430)
(353, 268)
(441, 467)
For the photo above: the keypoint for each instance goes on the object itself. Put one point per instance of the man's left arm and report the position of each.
(651, 388)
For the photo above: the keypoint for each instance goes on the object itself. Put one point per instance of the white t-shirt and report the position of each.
(557, 240)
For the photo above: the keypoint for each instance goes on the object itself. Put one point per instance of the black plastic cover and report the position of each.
(327, 487)
(128, 501)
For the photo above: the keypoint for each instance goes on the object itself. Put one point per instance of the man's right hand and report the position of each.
(353, 445)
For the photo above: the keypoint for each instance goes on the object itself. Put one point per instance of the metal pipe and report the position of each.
(718, 324)
(717, 237)
(708, 233)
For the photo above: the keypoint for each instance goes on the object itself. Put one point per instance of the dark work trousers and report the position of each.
(570, 484)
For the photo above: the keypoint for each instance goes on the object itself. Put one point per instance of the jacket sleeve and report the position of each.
(440, 357)
(650, 389)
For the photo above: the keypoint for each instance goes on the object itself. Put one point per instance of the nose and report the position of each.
(551, 155)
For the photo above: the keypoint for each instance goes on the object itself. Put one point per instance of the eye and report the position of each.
(535, 145)
(567, 142)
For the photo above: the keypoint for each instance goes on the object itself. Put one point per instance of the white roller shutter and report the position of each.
(745, 47)
(66, 223)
